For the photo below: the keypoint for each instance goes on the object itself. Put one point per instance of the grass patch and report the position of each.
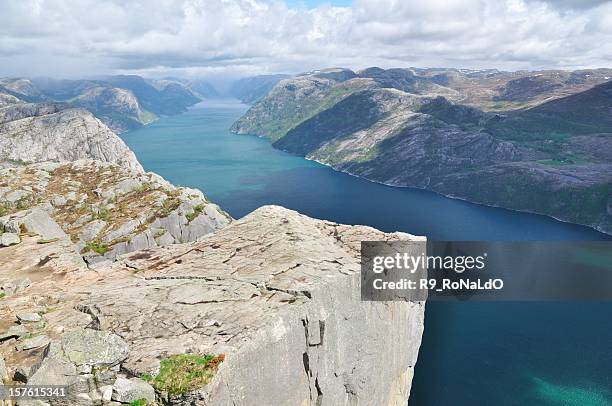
(183, 373)
(139, 402)
(2, 295)
(96, 247)
(142, 188)
(197, 210)
(102, 214)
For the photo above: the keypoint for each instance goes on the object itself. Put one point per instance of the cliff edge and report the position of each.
(274, 297)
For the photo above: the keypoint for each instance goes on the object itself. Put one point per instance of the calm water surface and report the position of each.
(472, 353)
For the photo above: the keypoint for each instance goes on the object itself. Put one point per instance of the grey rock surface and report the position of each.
(8, 239)
(36, 221)
(273, 291)
(130, 390)
(34, 342)
(3, 371)
(13, 332)
(28, 317)
(53, 132)
(107, 210)
(84, 346)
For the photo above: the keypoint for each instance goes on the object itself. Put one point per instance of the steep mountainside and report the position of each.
(117, 108)
(54, 132)
(22, 89)
(199, 87)
(121, 102)
(173, 98)
(392, 127)
(251, 89)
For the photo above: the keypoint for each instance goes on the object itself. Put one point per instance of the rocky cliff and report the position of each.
(132, 291)
(54, 132)
(273, 299)
(251, 89)
(393, 127)
(117, 108)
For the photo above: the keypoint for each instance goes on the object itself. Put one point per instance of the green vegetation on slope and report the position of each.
(183, 373)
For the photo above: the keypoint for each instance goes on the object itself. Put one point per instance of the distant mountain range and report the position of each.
(531, 141)
(122, 102)
(253, 88)
(125, 102)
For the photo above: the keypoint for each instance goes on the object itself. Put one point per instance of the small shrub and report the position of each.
(142, 188)
(102, 214)
(96, 247)
(183, 373)
(197, 210)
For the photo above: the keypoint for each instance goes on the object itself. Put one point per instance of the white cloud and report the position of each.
(235, 37)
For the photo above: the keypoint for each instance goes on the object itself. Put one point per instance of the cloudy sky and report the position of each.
(76, 38)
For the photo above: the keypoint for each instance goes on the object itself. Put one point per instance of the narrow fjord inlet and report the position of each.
(472, 353)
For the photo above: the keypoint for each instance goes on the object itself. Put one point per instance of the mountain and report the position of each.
(117, 108)
(435, 129)
(22, 89)
(121, 102)
(493, 90)
(172, 98)
(251, 89)
(199, 87)
(56, 132)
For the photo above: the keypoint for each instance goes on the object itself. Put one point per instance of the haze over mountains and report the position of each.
(532, 141)
(122, 102)
(125, 102)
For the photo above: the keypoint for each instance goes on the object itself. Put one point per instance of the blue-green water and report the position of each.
(472, 353)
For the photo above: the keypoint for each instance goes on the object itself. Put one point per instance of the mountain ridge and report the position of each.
(365, 123)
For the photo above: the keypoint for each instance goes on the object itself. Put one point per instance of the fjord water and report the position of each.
(472, 353)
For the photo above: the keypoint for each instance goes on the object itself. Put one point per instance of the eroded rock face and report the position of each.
(53, 132)
(106, 210)
(274, 291)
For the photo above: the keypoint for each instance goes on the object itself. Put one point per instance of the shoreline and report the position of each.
(607, 235)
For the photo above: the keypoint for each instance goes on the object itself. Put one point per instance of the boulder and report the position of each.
(21, 374)
(15, 286)
(84, 346)
(32, 343)
(35, 221)
(54, 371)
(16, 196)
(28, 317)
(13, 332)
(8, 239)
(130, 390)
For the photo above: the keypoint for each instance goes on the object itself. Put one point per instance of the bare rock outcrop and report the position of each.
(53, 132)
(274, 297)
(105, 209)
